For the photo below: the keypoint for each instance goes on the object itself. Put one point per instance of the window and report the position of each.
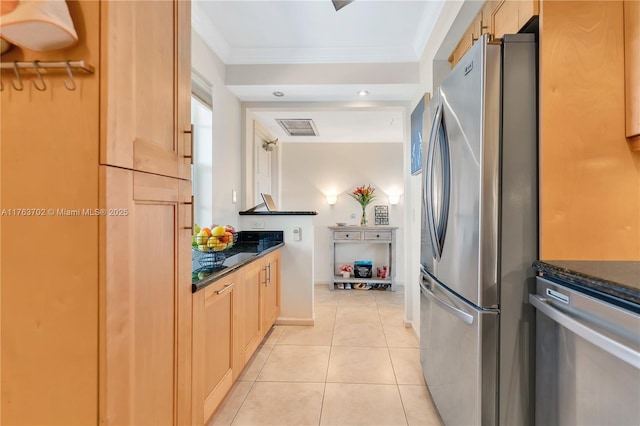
(202, 170)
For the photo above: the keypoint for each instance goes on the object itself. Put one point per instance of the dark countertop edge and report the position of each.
(577, 278)
(195, 287)
(302, 213)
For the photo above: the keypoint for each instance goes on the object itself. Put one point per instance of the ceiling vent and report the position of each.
(298, 126)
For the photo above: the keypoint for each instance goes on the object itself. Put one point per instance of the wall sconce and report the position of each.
(331, 199)
(269, 145)
(394, 199)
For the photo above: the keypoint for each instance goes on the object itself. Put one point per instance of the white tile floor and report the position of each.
(358, 365)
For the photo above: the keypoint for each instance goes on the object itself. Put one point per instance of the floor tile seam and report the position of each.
(333, 329)
(360, 383)
(351, 346)
(404, 409)
(386, 341)
(265, 363)
(393, 366)
(242, 404)
(367, 384)
(303, 346)
(324, 393)
(308, 382)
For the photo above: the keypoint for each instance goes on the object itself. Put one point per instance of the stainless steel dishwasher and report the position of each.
(587, 358)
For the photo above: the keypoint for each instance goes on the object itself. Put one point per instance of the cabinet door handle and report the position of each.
(224, 289)
(269, 276)
(191, 133)
(192, 215)
(266, 283)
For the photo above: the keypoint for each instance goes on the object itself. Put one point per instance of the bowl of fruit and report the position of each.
(214, 239)
(211, 244)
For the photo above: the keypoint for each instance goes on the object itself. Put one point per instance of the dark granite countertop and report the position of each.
(619, 279)
(251, 245)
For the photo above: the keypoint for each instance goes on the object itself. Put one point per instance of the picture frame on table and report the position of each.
(417, 135)
(381, 215)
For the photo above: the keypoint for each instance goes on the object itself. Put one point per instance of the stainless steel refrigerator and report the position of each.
(479, 236)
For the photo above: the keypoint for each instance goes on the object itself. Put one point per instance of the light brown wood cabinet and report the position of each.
(146, 86)
(145, 304)
(230, 319)
(632, 71)
(271, 290)
(510, 16)
(215, 328)
(589, 178)
(251, 324)
(466, 41)
(259, 296)
(496, 18)
(102, 332)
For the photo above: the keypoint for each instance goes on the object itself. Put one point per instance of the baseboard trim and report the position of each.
(294, 321)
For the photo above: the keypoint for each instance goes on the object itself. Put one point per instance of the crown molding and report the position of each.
(321, 55)
(203, 26)
(426, 26)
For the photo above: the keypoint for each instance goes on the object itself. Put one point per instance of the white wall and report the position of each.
(296, 272)
(227, 127)
(311, 170)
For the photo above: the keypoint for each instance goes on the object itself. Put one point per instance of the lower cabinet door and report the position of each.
(271, 291)
(145, 298)
(217, 344)
(250, 315)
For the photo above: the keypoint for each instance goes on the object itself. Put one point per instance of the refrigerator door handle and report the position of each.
(612, 347)
(444, 305)
(429, 182)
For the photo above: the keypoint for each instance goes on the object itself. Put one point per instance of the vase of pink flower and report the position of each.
(346, 270)
(363, 195)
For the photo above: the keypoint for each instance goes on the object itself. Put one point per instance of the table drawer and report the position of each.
(347, 235)
(377, 235)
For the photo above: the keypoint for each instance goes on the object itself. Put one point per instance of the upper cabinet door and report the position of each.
(632, 71)
(146, 85)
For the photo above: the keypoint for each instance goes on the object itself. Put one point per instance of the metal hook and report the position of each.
(18, 76)
(73, 81)
(44, 85)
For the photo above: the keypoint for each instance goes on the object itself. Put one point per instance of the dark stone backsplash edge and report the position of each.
(574, 273)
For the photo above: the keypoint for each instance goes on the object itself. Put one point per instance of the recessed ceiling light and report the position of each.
(278, 94)
(363, 93)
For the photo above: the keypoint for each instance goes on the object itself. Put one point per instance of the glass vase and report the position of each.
(363, 219)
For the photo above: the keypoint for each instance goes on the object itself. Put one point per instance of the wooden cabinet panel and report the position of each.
(251, 328)
(230, 318)
(497, 18)
(510, 16)
(505, 19)
(219, 331)
(271, 290)
(589, 180)
(49, 264)
(632, 71)
(470, 36)
(145, 314)
(144, 100)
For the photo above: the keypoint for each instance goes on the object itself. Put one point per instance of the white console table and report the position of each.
(363, 235)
